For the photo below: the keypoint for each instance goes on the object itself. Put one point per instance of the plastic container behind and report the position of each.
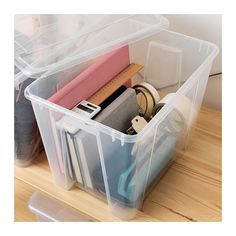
(27, 140)
(48, 209)
(123, 168)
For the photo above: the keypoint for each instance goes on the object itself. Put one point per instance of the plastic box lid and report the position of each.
(45, 43)
(50, 209)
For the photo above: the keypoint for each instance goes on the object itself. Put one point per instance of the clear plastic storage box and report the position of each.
(121, 168)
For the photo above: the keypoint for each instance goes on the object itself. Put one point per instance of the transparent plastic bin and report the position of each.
(43, 42)
(49, 209)
(27, 140)
(124, 168)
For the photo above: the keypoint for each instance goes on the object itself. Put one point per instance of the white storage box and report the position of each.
(121, 167)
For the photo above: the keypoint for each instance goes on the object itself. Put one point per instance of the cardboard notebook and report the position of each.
(92, 79)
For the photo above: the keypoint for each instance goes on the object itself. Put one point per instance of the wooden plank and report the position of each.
(192, 187)
(210, 121)
(185, 196)
(22, 194)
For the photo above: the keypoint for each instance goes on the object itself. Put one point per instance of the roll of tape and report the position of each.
(155, 95)
(149, 102)
(182, 105)
(162, 102)
(150, 93)
(187, 108)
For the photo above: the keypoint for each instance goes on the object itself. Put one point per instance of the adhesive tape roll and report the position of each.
(162, 102)
(187, 109)
(152, 91)
(182, 105)
(148, 100)
(155, 95)
(151, 97)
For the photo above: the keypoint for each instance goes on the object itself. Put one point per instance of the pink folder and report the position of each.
(92, 79)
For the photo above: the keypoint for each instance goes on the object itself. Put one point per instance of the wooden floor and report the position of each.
(189, 191)
(23, 192)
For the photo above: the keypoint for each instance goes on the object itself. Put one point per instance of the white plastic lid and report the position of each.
(46, 42)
